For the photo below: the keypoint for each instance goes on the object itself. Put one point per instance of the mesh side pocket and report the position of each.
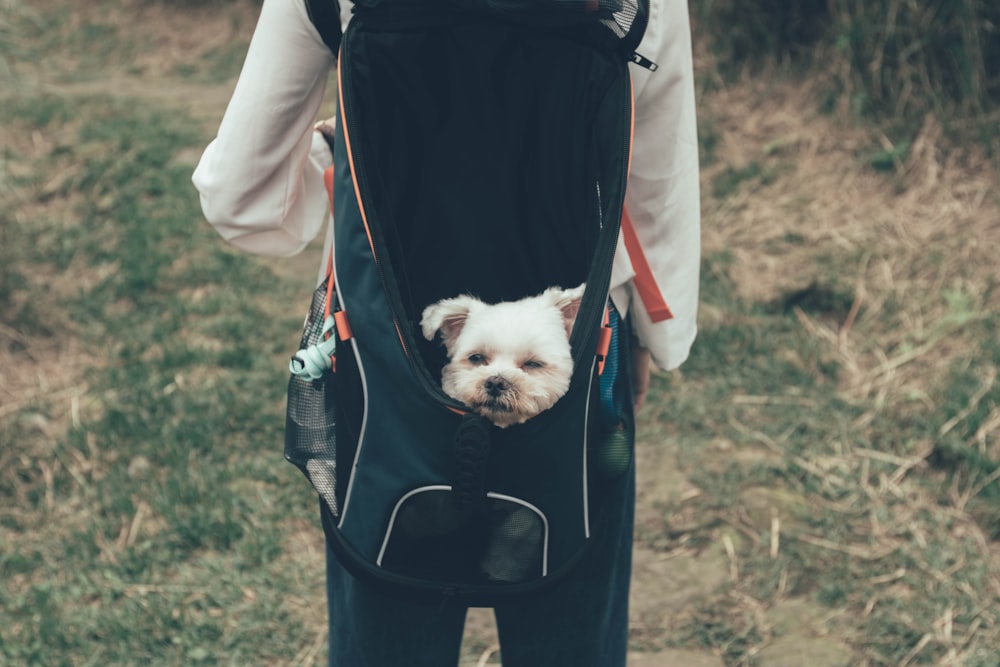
(614, 450)
(310, 416)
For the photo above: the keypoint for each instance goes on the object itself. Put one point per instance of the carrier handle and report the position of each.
(472, 451)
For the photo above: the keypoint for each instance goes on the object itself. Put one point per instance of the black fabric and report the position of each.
(325, 15)
(621, 23)
(492, 169)
(624, 21)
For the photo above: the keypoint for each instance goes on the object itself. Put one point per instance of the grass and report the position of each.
(838, 415)
(837, 421)
(890, 62)
(859, 496)
(164, 504)
(145, 507)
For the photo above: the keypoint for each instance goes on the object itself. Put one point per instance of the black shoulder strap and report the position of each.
(625, 18)
(325, 15)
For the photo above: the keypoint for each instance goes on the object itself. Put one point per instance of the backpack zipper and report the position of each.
(643, 61)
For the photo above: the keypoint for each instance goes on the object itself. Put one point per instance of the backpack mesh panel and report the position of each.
(310, 421)
(514, 549)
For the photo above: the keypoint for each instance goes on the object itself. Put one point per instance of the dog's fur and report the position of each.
(507, 361)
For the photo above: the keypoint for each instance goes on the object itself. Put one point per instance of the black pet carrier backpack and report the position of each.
(481, 148)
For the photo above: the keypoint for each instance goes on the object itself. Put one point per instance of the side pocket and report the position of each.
(615, 448)
(310, 413)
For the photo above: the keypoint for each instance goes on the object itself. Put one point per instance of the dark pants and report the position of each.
(582, 622)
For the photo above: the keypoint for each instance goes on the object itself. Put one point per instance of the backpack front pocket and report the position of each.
(431, 536)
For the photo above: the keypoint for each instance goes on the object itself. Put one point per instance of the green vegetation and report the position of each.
(159, 517)
(883, 515)
(891, 60)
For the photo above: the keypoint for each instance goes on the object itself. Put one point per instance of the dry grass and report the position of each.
(892, 273)
(825, 467)
(923, 238)
(892, 62)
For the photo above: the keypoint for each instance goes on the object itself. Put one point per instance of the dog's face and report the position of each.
(507, 361)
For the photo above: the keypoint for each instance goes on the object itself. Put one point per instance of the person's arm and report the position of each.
(261, 178)
(641, 359)
(663, 198)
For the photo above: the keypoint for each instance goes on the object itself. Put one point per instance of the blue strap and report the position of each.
(612, 403)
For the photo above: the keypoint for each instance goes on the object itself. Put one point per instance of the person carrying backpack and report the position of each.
(261, 186)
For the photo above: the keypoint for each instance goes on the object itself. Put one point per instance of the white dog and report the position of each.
(507, 361)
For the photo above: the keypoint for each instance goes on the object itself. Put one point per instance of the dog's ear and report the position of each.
(448, 317)
(568, 302)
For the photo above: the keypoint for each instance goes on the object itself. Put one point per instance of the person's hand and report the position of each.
(641, 359)
(327, 128)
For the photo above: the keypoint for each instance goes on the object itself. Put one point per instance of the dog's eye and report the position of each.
(477, 359)
(531, 364)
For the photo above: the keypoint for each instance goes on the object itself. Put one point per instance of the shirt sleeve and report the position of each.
(663, 196)
(261, 179)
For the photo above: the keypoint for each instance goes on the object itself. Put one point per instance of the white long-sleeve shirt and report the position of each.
(261, 178)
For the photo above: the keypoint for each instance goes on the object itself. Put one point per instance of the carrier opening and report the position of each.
(488, 168)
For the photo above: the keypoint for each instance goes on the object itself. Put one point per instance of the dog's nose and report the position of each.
(496, 385)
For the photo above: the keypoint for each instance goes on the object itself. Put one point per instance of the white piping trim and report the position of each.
(495, 496)
(364, 417)
(586, 435)
(395, 511)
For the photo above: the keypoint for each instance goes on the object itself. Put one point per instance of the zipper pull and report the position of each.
(643, 61)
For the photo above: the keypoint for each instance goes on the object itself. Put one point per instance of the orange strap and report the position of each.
(343, 326)
(340, 317)
(645, 282)
(603, 342)
(328, 182)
